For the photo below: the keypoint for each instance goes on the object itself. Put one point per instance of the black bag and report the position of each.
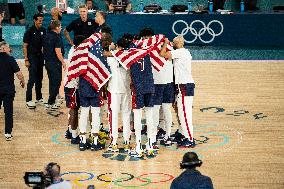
(178, 8)
(278, 8)
(152, 8)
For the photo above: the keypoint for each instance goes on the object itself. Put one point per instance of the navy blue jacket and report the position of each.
(192, 179)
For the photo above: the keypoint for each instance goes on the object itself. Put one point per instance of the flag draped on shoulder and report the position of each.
(88, 62)
(151, 46)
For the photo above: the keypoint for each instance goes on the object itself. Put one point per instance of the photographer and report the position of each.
(52, 171)
(191, 178)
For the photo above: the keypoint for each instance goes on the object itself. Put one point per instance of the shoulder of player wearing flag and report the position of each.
(88, 62)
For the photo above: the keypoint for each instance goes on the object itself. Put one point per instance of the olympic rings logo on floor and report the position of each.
(206, 142)
(125, 180)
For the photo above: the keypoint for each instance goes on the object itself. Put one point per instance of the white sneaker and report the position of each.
(113, 148)
(54, 107)
(47, 106)
(41, 102)
(31, 105)
(50, 107)
(137, 152)
(59, 99)
(58, 104)
(8, 137)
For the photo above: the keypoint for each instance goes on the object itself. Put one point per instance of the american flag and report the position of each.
(151, 46)
(88, 62)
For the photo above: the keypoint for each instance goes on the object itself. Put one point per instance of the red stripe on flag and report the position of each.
(149, 42)
(76, 66)
(95, 74)
(74, 58)
(131, 53)
(97, 65)
(157, 59)
(118, 53)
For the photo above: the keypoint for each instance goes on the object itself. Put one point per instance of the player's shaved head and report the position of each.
(54, 10)
(178, 42)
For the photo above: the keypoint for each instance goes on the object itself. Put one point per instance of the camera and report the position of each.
(40, 180)
(37, 180)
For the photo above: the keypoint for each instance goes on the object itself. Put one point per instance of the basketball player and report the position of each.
(185, 86)
(164, 95)
(119, 99)
(73, 103)
(90, 99)
(143, 91)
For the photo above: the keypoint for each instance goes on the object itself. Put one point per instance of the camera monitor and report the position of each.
(33, 178)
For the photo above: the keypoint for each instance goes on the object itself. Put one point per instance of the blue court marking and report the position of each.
(91, 175)
(54, 139)
(226, 140)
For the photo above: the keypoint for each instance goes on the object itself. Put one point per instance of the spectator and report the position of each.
(16, 9)
(8, 66)
(1, 19)
(40, 9)
(101, 21)
(191, 178)
(54, 61)
(52, 170)
(82, 27)
(56, 14)
(90, 5)
(32, 49)
(112, 3)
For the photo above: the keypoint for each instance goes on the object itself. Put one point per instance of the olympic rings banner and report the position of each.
(248, 29)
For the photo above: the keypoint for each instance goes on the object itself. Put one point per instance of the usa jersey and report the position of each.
(86, 89)
(165, 75)
(120, 79)
(182, 66)
(142, 76)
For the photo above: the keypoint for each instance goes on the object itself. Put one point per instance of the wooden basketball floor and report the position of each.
(238, 121)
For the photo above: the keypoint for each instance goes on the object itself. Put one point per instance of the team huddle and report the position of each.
(142, 72)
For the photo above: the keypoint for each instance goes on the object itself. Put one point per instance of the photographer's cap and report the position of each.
(190, 158)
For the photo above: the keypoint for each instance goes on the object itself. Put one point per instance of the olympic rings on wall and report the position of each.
(198, 33)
